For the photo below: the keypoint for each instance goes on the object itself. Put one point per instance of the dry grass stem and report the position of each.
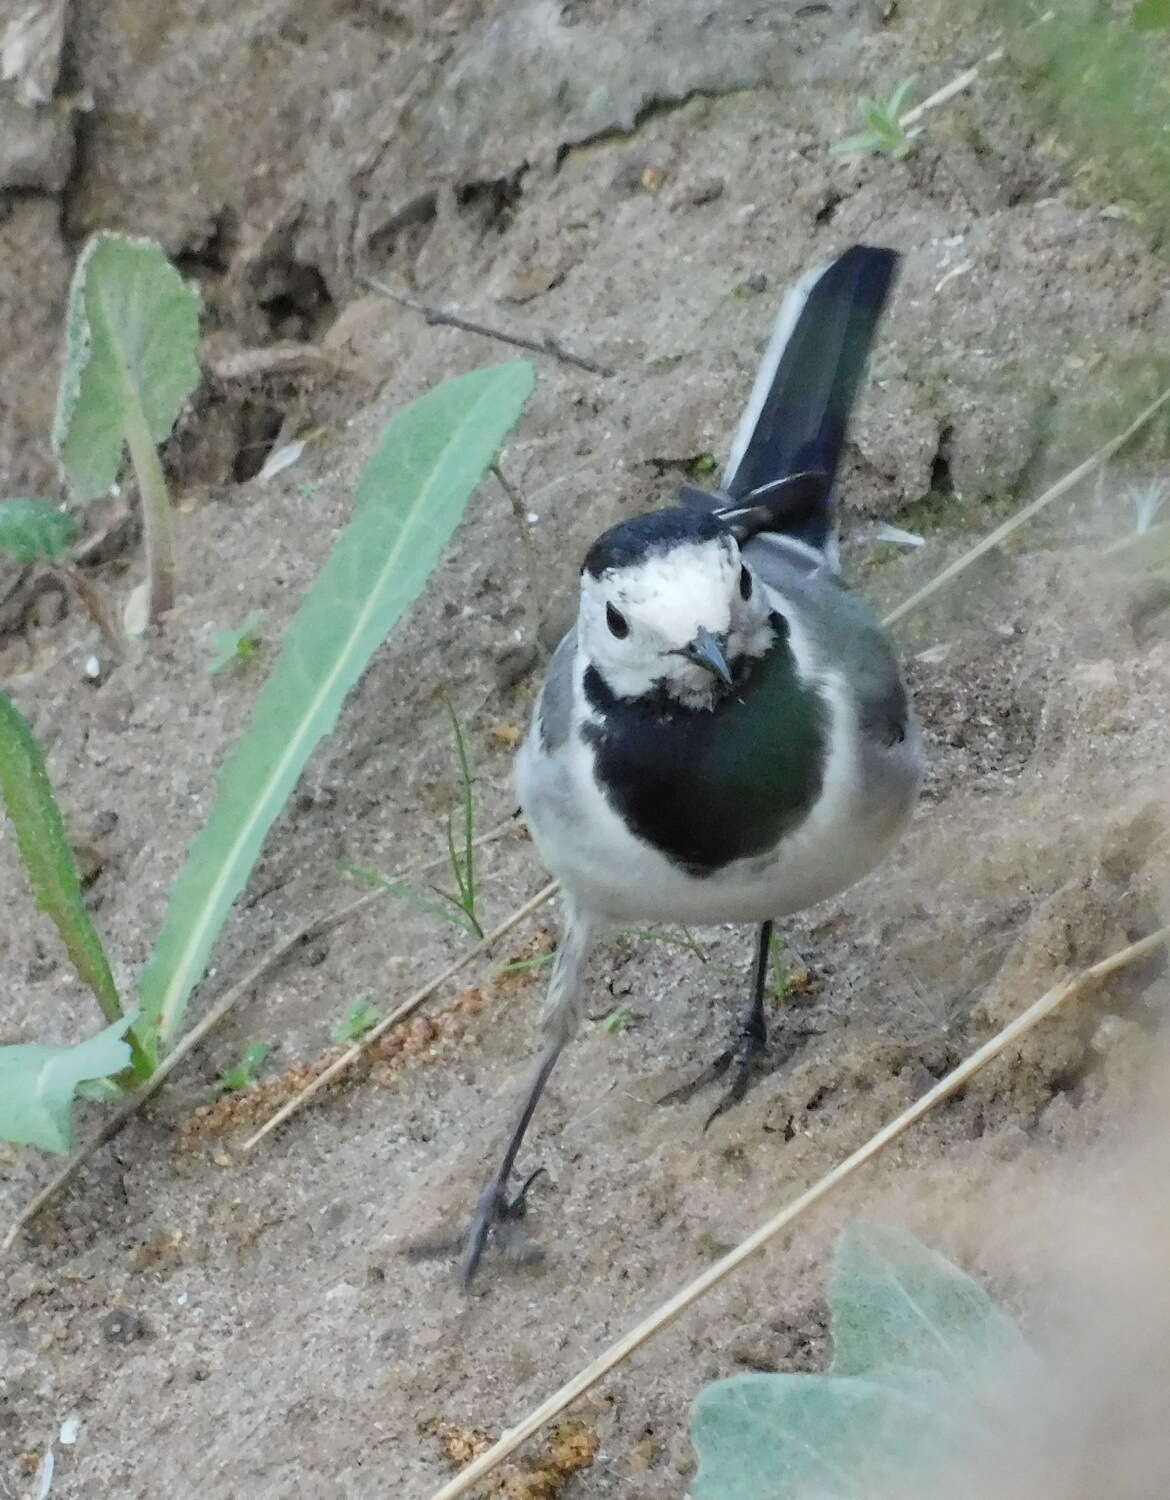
(666, 1314)
(227, 1001)
(407, 1008)
(1033, 508)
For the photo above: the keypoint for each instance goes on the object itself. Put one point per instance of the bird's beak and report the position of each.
(706, 651)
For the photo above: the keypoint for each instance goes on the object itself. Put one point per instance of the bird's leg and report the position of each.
(561, 1017)
(750, 1040)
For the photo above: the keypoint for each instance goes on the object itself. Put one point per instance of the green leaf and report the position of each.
(32, 529)
(819, 1437)
(361, 1017)
(856, 145)
(48, 859)
(924, 1362)
(1151, 15)
(37, 1084)
(896, 1303)
(235, 648)
(410, 499)
(897, 105)
(131, 357)
(243, 1075)
(877, 117)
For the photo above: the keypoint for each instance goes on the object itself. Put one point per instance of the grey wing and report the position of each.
(554, 712)
(844, 631)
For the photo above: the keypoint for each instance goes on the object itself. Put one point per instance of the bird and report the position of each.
(724, 735)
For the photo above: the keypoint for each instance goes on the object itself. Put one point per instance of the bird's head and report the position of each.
(668, 605)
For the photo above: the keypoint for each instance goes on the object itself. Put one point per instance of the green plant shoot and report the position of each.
(409, 500)
(361, 1017)
(885, 135)
(620, 1018)
(235, 648)
(131, 360)
(243, 1074)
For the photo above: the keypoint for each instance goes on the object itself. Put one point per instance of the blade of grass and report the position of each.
(463, 867)
(409, 500)
(395, 887)
(669, 1310)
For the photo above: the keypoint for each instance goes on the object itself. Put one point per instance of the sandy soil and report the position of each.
(643, 183)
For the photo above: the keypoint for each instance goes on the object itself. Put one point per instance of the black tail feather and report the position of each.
(799, 409)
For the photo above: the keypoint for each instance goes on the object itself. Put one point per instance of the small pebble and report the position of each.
(122, 1326)
(707, 190)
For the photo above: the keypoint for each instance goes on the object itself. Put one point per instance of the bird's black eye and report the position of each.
(617, 622)
(745, 584)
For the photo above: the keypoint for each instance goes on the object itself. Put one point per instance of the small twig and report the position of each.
(963, 81)
(993, 538)
(948, 91)
(438, 315)
(231, 997)
(666, 1314)
(407, 1008)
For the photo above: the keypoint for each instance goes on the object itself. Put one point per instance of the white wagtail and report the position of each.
(724, 736)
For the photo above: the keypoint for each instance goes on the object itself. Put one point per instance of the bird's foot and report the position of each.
(499, 1213)
(749, 1046)
(743, 1058)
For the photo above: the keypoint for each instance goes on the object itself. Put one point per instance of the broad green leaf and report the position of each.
(896, 1303)
(409, 500)
(131, 355)
(812, 1437)
(32, 529)
(924, 1363)
(52, 871)
(37, 1084)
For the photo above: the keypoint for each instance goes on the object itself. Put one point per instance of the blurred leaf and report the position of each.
(409, 500)
(37, 1084)
(896, 1303)
(32, 529)
(920, 1355)
(131, 354)
(1151, 15)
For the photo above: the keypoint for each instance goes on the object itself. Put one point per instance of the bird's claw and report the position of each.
(747, 1050)
(495, 1211)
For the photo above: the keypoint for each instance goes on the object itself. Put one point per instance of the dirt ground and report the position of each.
(641, 180)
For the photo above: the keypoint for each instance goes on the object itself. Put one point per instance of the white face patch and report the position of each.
(664, 600)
